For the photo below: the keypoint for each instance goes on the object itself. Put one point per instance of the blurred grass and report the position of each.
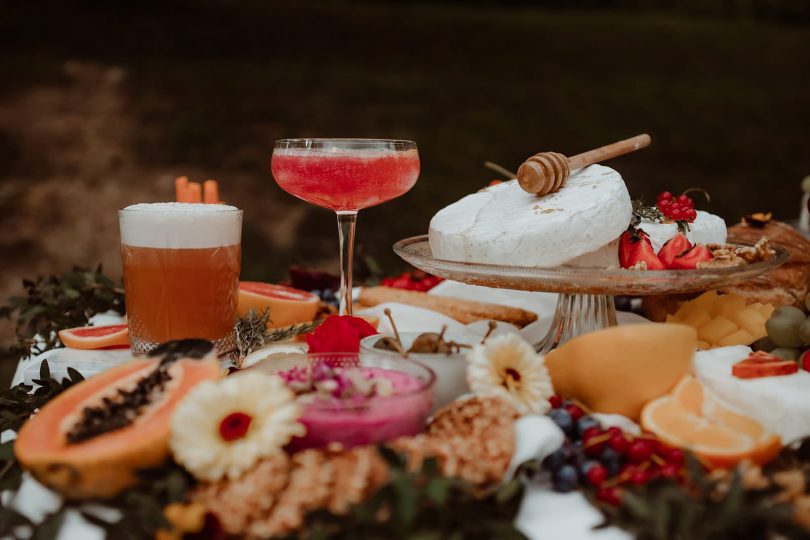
(215, 82)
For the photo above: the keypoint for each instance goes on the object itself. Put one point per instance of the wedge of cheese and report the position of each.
(504, 225)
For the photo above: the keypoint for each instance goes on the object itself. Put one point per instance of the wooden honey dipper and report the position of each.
(547, 172)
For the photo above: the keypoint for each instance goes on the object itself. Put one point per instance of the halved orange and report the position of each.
(96, 337)
(691, 418)
(287, 305)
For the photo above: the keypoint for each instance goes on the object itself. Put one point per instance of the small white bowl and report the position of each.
(450, 369)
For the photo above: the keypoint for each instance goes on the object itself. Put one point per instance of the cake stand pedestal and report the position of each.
(586, 296)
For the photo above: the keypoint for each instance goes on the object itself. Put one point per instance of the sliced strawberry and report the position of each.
(675, 246)
(635, 247)
(762, 364)
(689, 260)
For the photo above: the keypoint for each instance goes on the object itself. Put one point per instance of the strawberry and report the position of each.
(762, 364)
(690, 259)
(635, 247)
(675, 246)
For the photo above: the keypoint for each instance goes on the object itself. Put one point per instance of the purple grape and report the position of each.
(566, 479)
(612, 460)
(558, 458)
(586, 422)
(563, 419)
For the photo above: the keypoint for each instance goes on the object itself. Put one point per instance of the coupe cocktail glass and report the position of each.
(345, 175)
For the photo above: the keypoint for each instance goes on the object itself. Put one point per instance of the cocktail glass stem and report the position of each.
(346, 223)
(578, 314)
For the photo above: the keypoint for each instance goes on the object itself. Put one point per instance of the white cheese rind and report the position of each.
(505, 225)
(706, 229)
(778, 403)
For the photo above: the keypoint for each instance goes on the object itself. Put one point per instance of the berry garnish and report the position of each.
(416, 280)
(680, 208)
(640, 450)
(618, 443)
(609, 496)
(556, 401)
(596, 475)
(575, 411)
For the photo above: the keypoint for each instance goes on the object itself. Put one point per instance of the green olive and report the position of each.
(784, 331)
(804, 332)
(791, 312)
(786, 353)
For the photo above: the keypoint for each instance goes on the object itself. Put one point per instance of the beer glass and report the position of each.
(181, 272)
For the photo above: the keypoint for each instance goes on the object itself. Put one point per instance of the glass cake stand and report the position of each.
(586, 294)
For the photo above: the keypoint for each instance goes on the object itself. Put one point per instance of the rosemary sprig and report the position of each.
(252, 332)
(58, 302)
(643, 211)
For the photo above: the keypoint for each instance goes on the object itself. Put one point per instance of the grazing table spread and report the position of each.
(590, 368)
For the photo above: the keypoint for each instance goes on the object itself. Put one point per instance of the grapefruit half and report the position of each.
(95, 337)
(287, 305)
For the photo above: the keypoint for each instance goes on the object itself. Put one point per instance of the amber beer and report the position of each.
(181, 272)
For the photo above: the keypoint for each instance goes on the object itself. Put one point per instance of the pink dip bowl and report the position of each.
(366, 420)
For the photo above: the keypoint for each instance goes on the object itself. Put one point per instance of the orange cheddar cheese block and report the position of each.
(618, 370)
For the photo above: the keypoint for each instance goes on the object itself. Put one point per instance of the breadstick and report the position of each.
(210, 192)
(194, 192)
(180, 188)
(464, 311)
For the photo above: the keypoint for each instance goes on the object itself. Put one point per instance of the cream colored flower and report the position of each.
(508, 367)
(223, 428)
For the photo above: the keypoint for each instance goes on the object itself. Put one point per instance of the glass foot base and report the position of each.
(224, 347)
(577, 314)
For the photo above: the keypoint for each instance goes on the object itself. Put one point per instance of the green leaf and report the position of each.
(509, 491)
(74, 375)
(49, 528)
(44, 371)
(437, 490)
(407, 499)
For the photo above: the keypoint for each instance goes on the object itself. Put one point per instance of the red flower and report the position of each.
(339, 334)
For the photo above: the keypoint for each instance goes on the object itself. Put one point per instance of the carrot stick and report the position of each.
(210, 192)
(180, 186)
(194, 192)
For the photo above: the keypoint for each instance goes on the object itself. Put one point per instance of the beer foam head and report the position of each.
(180, 225)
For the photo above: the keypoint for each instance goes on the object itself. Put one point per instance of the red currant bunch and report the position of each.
(680, 208)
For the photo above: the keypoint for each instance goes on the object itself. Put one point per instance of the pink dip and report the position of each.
(355, 420)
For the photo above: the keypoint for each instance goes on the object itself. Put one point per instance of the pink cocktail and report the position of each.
(345, 175)
(346, 181)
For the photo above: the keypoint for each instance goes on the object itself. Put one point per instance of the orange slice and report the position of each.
(691, 418)
(287, 305)
(95, 337)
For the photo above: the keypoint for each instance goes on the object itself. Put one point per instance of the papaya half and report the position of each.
(90, 441)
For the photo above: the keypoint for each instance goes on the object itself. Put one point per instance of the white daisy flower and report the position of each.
(508, 367)
(223, 428)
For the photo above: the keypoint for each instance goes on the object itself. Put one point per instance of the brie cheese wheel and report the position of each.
(706, 229)
(504, 225)
(778, 403)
